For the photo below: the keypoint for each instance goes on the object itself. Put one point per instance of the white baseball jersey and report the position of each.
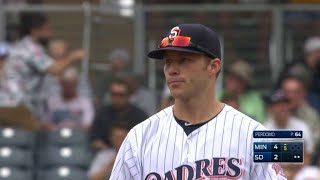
(222, 148)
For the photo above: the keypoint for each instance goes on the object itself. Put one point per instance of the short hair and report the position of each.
(30, 21)
(119, 123)
(121, 81)
(300, 80)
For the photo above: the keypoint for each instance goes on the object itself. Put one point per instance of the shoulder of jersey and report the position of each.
(155, 119)
(146, 130)
(166, 114)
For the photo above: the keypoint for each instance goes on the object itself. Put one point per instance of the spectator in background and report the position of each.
(238, 83)
(28, 61)
(231, 100)
(8, 89)
(103, 162)
(58, 50)
(12, 113)
(69, 109)
(301, 172)
(141, 96)
(295, 90)
(312, 63)
(119, 61)
(120, 110)
(280, 117)
(308, 69)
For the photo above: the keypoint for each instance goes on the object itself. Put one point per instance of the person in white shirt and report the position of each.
(296, 89)
(69, 109)
(102, 164)
(9, 92)
(308, 173)
(28, 61)
(280, 117)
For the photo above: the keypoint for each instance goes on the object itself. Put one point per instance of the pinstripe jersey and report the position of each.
(158, 148)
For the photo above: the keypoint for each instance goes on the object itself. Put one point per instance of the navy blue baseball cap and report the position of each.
(202, 40)
(276, 96)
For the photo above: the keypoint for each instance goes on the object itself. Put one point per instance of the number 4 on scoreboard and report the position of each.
(276, 147)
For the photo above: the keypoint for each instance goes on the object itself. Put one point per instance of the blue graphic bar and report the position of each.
(262, 157)
(278, 152)
(278, 134)
(262, 147)
(267, 146)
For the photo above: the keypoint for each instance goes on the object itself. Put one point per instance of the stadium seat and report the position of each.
(64, 156)
(16, 157)
(16, 137)
(67, 137)
(11, 173)
(62, 173)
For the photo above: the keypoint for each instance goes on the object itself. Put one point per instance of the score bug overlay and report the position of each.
(278, 146)
(278, 134)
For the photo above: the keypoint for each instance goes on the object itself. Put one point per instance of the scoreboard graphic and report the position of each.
(278, 146)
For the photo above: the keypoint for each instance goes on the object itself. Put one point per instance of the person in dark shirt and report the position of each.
(120, 109)
(308, 69)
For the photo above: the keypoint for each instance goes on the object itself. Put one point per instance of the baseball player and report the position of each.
(198, 137)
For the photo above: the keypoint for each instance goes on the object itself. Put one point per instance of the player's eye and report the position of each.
(167, 61)
(185, 60)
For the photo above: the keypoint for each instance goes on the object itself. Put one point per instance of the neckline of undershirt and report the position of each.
(189, 128)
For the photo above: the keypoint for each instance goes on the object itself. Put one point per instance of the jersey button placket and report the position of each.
(188, 148)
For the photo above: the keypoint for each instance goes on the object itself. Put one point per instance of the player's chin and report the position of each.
(177, 93)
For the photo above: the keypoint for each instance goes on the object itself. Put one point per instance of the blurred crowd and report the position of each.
(292, 104)
(40, 90)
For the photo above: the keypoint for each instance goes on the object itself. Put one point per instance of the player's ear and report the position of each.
(214, 66)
